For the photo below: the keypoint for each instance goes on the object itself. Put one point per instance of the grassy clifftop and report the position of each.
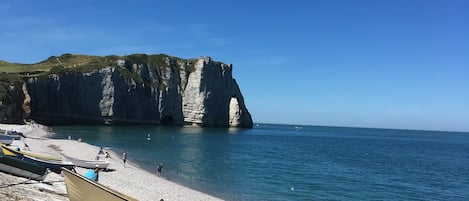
(63, 61)
(11, 73)
(87, 63)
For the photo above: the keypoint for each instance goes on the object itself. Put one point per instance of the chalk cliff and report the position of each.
(139, 89)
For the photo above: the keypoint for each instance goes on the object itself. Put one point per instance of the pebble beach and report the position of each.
(130, 180)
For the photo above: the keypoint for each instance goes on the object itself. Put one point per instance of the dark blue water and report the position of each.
(284, 162)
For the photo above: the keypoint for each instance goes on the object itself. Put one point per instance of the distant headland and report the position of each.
(119, 90)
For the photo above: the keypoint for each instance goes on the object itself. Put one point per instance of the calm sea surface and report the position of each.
(286, 162)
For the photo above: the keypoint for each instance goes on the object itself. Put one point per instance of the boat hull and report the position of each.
(38, 156)
(87, 163)
(5, 139)
(15, 166)
(80, 188)
(54, 166)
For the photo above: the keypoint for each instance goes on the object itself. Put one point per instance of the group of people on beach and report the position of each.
(101, 151)
(93, 174)
(159, 168)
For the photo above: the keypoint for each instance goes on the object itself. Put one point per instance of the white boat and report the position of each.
(87, 163)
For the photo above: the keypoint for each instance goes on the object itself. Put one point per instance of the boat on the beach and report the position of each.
(54, 166)
(38, 156)
(80, 188)
(18, 167)
(15, 135)
(102, 164)
(5, 139)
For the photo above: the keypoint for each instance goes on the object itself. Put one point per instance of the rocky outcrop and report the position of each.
(11, 105)
(212, 97)
(168, 91)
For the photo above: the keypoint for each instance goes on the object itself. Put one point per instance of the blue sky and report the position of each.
(386, 64)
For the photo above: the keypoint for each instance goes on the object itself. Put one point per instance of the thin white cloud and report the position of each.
(205, 34)
(218, 41)
(200, 30)
(271, 60)
(30, 20)
(261, 61)
(59, 34)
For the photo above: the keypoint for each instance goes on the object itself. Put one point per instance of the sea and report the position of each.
(295, 162)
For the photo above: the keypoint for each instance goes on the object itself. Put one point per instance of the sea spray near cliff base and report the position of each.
(281, 162)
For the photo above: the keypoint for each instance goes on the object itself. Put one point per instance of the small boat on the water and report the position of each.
(87, 163)
(54, 166)
(18, 167)
(80, 188)
(5, 139)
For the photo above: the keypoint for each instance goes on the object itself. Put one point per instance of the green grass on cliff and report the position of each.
(76, 63)
(69, 62)
(87, 63)
(11, 73)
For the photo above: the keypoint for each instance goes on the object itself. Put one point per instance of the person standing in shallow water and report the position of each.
(160, 167)
(124, 157)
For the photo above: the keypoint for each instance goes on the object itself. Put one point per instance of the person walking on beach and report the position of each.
(124, 157)
(160, 167)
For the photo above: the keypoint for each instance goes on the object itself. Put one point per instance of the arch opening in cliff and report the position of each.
(234, 112)
(167, 120)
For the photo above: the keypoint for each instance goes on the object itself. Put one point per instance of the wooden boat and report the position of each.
(54, 166)
(80, 188)
(18, 167)
(38, 156)
(5, 139)
(87, 163)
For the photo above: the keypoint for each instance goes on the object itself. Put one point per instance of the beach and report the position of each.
(130, 180)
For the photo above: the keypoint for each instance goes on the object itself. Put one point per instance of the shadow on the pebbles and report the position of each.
(108, 170)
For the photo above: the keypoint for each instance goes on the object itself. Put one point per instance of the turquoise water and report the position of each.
(284, 162)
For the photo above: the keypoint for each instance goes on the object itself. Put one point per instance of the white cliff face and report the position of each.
(174, 92)
(235, 113)
(170, 100)
(107, 101)
(27, 100)
(211, 97)
(194, 96)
